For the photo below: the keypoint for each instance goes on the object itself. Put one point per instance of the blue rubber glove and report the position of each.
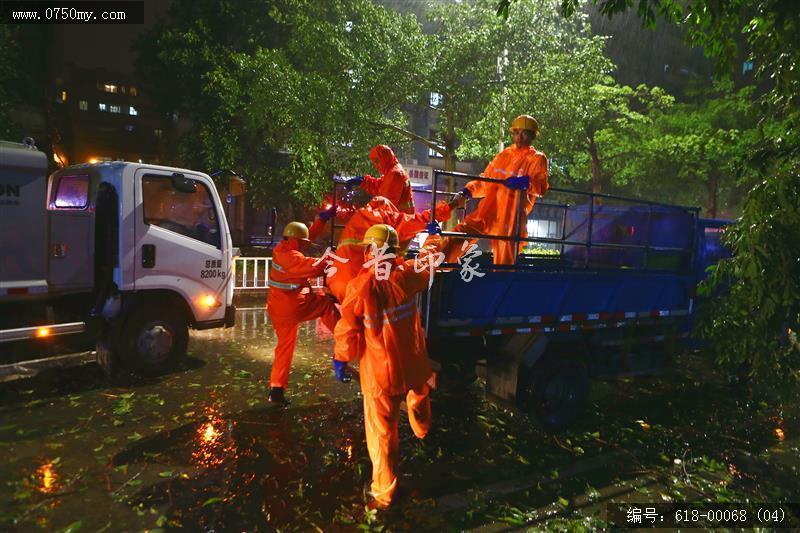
(519, 183)
(465, 193)
(433, 228)
(342, 371)
(352, 183)
(328, 213)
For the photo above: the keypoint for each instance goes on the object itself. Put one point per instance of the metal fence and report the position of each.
(252, 274)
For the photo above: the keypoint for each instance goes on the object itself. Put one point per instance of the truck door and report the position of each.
(180, 240)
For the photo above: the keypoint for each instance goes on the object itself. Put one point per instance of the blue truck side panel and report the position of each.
(516, 297)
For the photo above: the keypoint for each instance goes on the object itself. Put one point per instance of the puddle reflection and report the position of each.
(48, 479)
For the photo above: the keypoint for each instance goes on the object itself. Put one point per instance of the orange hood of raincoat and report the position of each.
(383, 158)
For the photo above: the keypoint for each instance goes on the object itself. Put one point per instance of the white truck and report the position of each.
(122, 256)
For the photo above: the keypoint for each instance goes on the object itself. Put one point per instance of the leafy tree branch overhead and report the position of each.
(262, 78)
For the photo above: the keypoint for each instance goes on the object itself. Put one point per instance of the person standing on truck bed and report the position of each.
(522, 167)
(291, 301)
(378, 210)
(393, 183)
(380, 323)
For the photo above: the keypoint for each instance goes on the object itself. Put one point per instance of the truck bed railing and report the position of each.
(580, 241)
(583, 214)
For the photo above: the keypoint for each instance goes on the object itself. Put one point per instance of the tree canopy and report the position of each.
(690, 152)
(488, 70)
(264, 78)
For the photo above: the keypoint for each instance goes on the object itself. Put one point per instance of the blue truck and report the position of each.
(604, 285)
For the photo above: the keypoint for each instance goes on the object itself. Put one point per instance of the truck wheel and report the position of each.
(155, 339)
(106, 357)
(456, 376)
(555, 391)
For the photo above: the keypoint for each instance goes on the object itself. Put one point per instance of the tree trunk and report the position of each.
(597, 169)
(713, 193)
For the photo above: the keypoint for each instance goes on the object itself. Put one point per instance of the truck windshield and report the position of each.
(190, 214)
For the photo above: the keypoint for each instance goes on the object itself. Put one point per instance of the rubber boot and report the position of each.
(277, 397)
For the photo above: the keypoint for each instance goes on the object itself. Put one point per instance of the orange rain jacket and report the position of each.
(379, 210)
(291, 301)
(496, 213)
(380, 321)
(393, 183)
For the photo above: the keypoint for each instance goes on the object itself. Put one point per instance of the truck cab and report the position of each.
(128, 254)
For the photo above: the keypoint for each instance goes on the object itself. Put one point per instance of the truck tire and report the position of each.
(106, 357)
(456, 376)
(154, 339)
(554, 390)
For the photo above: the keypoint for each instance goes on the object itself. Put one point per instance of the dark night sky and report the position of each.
(104, 45)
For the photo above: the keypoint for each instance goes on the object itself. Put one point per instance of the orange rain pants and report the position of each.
(379, 210)
(380, 321)
(291, 301)
(393, 183)
(496, 214)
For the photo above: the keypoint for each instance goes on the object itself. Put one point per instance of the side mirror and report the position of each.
(183, 184)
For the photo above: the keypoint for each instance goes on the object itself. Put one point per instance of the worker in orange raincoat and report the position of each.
(291, 301)
(393, 182)
(379, 210)
(380, 322)
(521, 167)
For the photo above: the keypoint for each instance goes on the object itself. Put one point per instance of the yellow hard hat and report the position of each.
(525, 122)
(381, 234)
(298, 230)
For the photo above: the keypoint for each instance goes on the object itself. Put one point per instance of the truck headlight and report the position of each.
(210, 301)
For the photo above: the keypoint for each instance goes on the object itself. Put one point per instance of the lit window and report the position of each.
(747, 66)
(63, 96)
(72, 192)
(436, 99)
(102, 107)
(122, 89)
(83, 105)
(129, 127)
(115, 109)
(348, 26)
(132, 111)
(158, 133)
(109, 88)
(132, 91)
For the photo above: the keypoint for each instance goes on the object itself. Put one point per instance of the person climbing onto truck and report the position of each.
(522, 167)
(378, 210)
(291, 301)
(393, 183)
(380, 324)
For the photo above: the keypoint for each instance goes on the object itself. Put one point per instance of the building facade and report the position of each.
(100, 115)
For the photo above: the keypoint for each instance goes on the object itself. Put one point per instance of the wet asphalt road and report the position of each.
(201, 449)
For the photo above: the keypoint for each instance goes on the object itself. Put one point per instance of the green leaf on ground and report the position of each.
(75, 526)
